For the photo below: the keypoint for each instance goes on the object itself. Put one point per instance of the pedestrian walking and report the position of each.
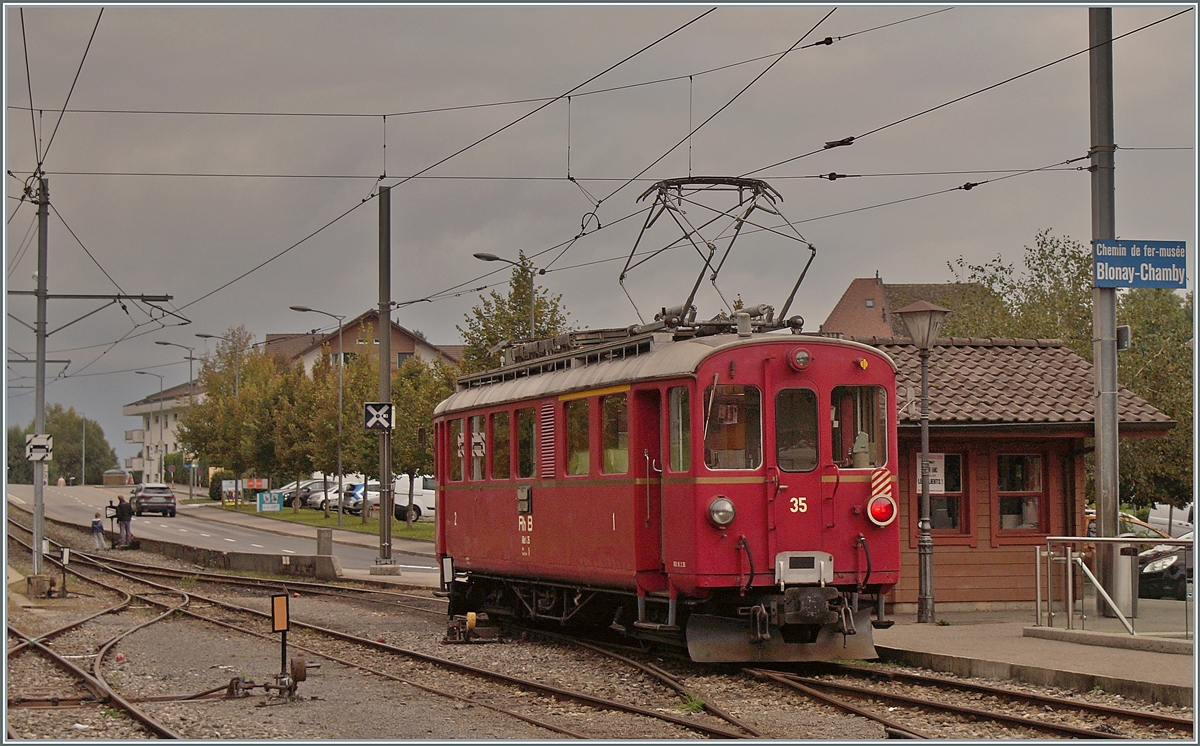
(98, 532)
(124, 518)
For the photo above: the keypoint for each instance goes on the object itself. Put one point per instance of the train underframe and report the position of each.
(765, 624)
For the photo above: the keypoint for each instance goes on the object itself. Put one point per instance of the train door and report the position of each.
(794, 504)
(647, 458)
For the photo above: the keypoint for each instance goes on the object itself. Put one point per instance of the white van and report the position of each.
(424, 502)
(1174, 521)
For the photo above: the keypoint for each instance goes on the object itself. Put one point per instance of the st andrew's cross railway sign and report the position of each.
(39, 447)
(1139, 264)
(379, 415)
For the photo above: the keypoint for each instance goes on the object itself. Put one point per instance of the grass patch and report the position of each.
(195, 501)
(692, 704)
(422, 529)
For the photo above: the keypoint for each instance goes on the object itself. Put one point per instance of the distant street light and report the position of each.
(341, 361)
(924, 321)
(484, 256)
(160, 419)
(191, 385)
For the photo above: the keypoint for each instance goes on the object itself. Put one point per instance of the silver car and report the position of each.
(153, 498)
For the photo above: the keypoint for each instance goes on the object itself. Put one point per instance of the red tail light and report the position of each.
(881, 509)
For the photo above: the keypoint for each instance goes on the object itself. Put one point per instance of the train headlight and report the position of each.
(881, 509)
(721, 512)
(798, 359)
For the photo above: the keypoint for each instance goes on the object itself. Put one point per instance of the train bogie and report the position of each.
(734, 493)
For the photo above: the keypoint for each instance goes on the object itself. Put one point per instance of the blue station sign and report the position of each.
(1139, 264)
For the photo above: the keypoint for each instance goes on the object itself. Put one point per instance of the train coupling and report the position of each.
(469, 628)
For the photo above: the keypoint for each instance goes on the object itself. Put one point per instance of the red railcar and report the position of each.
(736, 492)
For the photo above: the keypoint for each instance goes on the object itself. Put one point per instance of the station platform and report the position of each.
(1159, 667)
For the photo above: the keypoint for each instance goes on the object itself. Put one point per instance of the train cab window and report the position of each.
(796, 429)
(680, 424)
(456, 450)
(501, 453)
(526, 445)
(859, 419)
(478, 447)
(578, 447)
(732, 427)
(614, 430)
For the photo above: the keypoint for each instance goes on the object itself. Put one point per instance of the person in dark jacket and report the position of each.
(124, 518)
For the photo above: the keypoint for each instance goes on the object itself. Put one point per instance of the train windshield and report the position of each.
(732, 427)
(796, 429)
(859, 417)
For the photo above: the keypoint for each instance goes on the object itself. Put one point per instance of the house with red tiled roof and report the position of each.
(1009, 422)
(360, 336)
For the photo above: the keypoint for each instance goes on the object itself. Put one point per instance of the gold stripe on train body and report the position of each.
(593, 392)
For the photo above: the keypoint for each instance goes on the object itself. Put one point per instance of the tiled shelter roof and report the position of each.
(999, 381)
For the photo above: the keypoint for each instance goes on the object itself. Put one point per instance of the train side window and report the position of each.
(578, 448)
(478, 447)
(859, 420)
(614, 430)
(680, 424)
(732, 427)
(456, 450)
(526, 445)
(796, 429)
(501, 453)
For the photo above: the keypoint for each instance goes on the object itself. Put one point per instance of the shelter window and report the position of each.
(946, 495)
(526, 445)
(796, 429)
(680, 424)
(614, 430)
(1019, 484)
(478, 447)
(501, 452)
(456, 450)
(578, 451)
(859, 421)
(732, 427)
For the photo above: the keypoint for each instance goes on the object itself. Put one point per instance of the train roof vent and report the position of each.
(565, 351)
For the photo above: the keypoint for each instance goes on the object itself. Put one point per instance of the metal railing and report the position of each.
(1069, 559)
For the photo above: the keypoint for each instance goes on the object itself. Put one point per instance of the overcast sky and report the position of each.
(129, 185)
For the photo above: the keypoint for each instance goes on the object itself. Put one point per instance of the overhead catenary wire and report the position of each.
(403, 180)
(61, 114)
(854, 138)
(467, 107)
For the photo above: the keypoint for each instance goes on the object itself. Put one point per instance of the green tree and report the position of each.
(20, 469)
(67, 428)
(1050, 299)
(416, 390)
(1158, 367)
(506, 317)
(293, 424)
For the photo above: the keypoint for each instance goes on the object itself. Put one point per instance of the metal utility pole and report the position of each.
(1104, 300)
(42, 199)
(385, 377)
(39, 407)
(82, 451)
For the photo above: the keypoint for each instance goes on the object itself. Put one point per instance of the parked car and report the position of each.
(423, 497)
(424, 502)
(1174, 521)
(152, 497)
(1165, 570)
(1127, 525)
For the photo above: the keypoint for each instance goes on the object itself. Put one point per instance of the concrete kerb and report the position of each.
(1082, 682)
(1112, 640)
(367, 542)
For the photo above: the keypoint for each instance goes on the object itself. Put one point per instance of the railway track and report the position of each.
(314, 648)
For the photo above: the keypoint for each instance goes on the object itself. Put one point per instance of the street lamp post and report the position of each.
(160, 377)
(341, 361)
(191, 401)
(532, 298)
(924, 321)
